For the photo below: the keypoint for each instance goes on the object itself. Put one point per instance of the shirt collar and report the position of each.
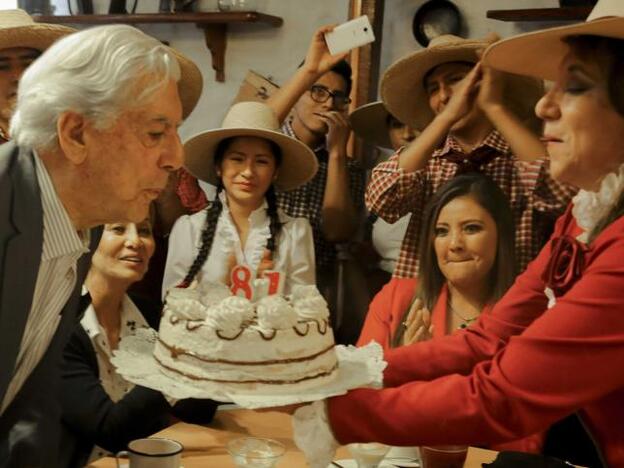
(258, 217)
(60, 238)
(494, 140)
(131, 319)
(288, 130)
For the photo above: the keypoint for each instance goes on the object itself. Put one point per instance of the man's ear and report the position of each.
(70, 128)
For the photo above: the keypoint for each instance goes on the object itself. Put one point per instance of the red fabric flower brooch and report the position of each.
(565, 267)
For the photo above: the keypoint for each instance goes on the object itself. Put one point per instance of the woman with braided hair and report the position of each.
(247, 160)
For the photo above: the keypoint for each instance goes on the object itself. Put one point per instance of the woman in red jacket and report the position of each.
(467, 264)
(551, 347)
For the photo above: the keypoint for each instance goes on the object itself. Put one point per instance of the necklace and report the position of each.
(467, 321)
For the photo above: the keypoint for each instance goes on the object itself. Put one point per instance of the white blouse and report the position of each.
(293, 258)
(388, 239)
(114, 384)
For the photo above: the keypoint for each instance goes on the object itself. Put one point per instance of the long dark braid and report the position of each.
(275, 225)
(207, 236)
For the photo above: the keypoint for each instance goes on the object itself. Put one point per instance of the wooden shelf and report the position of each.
(541, 14)
(214, 25)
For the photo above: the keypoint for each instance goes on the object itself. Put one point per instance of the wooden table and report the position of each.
(205, 445)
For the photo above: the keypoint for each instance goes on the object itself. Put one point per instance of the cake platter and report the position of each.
(357, 367)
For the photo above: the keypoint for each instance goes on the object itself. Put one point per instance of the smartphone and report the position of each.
(349, 35)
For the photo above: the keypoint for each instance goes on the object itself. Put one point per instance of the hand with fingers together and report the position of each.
(463, 99)
(490, 88)
(417, 324)
(337, 132)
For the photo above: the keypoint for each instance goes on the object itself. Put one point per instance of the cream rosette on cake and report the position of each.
(229, 315)
(185, 304)
(309, 303)
(275, 313)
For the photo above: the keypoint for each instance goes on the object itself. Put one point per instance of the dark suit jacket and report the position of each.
(91, 418)
(29, 427)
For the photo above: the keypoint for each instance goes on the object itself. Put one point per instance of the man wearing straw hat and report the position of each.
(471, 119)
(94, 138)
(21, 41)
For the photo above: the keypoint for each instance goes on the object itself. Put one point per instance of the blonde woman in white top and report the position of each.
(246, 159)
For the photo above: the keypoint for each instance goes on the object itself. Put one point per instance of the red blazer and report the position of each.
(516, 371)
(387, 309)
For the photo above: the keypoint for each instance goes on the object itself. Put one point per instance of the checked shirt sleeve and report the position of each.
(392, 193)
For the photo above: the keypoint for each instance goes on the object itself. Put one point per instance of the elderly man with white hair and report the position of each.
(94, 140)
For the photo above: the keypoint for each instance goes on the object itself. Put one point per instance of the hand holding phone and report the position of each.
(349, 35)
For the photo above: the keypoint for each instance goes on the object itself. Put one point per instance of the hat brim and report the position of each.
(298, 165)
(403, 89)
(369, 122)
(34, 36)
(538, 54)
(190, 84)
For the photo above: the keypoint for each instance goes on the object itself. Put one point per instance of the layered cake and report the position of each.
(276, 343)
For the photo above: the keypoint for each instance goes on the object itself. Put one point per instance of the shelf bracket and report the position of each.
(216, 40)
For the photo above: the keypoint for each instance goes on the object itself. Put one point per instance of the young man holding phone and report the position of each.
(318, 96)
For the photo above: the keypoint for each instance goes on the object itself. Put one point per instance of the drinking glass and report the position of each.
(444, 456)
(368, 455)
(254, 452)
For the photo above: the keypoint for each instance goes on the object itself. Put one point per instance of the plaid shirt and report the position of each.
(307, 200)
(536, 199)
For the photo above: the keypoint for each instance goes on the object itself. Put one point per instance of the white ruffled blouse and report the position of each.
(294, 256)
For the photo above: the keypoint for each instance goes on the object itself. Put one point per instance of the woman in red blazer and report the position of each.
(552, 346)
(466, 264)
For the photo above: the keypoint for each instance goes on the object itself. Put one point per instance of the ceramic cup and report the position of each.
(152, 453)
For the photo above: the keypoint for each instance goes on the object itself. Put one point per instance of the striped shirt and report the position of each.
(56, 279)
(536, 199)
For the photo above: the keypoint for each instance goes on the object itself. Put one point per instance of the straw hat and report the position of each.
(255, 119)
(539, 53)
(190, 84)
(18, 29)
(369, 122)
(403, 90)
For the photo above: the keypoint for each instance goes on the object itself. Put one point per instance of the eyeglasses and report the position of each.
(320, 93)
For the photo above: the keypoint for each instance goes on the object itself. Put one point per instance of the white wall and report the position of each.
(268, 50)
(277, 51)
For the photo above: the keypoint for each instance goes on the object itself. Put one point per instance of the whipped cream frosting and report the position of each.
(274, 312)
(185, 303)
(230, 314)
(309, 303)
(213, 293)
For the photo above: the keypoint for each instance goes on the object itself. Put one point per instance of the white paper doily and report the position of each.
(357, 367)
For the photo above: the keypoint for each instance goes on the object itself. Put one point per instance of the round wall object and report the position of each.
(435, 18)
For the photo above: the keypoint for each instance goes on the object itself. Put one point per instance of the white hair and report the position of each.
(98, 72)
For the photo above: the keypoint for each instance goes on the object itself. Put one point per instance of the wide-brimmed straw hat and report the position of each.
(370, 123)
(18, 29)
(191, 83)
(539, 53)
(403, 89)
(255, 119)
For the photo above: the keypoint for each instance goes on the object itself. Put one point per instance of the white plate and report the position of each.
(357, 367)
